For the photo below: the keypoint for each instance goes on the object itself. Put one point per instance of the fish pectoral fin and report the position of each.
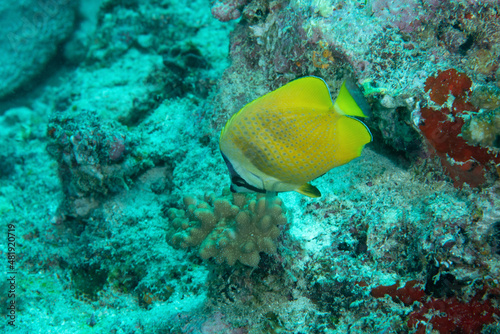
(308, 190)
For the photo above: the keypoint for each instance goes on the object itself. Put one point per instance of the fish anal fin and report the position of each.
(308, 190)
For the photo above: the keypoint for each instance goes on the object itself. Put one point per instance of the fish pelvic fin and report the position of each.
(308, 190)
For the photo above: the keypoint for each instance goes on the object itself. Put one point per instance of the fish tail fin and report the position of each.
(351, 101)
(308, 190)
(352, 134)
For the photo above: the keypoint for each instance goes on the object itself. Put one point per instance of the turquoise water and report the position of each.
(115, 200)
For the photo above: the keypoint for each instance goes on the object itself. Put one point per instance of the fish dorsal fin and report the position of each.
(351, 101)
(308, 190)
(306, 92)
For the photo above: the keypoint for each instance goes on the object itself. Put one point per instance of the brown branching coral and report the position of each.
(236, 227)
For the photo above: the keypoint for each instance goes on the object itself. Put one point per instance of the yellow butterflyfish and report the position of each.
(289, 137)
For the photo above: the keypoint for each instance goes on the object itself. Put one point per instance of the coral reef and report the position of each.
(455, 315)
(31, 33)
(226, 10)
(484, 130)
(229, 229)
(445, 315)
(442, 125)
(407, 293)
(113, 144)
(446, 83)
(93, 160)
(404, 15)
(415, 40)
(486, 97)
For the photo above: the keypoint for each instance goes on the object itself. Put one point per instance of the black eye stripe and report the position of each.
(230, 167)
(238, 181)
